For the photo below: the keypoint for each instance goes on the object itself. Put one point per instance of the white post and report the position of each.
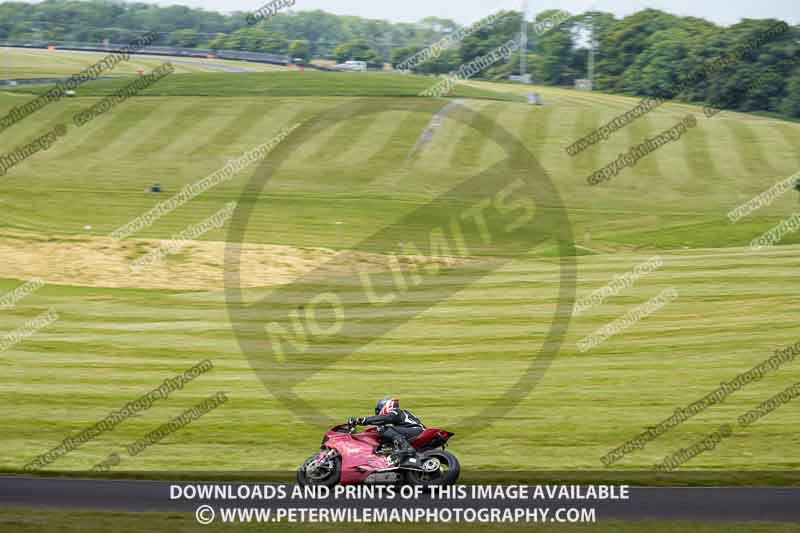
(523, 41)
(592, 44)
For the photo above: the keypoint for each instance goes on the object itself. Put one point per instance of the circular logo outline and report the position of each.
(547, 199)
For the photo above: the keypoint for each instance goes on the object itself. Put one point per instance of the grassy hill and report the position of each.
(39, 63)
(121, 335)
(283, 83)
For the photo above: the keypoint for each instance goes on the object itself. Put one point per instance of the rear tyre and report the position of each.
(327, 473)
(446, 474)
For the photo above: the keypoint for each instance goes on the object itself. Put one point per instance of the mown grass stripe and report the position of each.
(237, 124)
(754, 155)
(704, 173)
(475, 148)
(370, 134)
(590, 160)
(103, 136)
(150, 135)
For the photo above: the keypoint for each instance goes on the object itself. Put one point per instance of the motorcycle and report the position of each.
(348, 457)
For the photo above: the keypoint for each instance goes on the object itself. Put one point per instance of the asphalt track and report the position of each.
(213, 66)
(735, 504)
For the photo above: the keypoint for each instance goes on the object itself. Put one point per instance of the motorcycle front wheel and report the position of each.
(326, 473)
(439, 468)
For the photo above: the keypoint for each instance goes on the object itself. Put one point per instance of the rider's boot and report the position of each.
(404, 454)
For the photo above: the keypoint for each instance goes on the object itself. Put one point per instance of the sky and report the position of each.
(723, 12)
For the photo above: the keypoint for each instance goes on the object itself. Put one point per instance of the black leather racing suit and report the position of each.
(396, 427)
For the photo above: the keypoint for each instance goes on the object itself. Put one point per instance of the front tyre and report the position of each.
(326, 472)
(439, 468)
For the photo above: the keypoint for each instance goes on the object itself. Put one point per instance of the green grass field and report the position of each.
(39, 63)
(23, 521)
(119, 337)
(284, 83)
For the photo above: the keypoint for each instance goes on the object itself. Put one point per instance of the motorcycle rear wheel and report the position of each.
(447, 474)
(329, 479)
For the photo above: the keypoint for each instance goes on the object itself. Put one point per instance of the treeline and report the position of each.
(648, 53)
(308, 33)
(653, 53)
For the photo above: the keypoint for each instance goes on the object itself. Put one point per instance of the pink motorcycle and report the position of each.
(349, 457)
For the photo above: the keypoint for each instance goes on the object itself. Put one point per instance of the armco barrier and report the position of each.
(238, 55)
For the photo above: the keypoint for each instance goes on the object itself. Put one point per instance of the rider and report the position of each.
(395, 426)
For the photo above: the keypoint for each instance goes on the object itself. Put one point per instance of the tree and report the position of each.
(273, 43)
(438, 24)
(623, 43)
(218, 42)
(648, 53)
(300, 49)
(446, 62)
(492, 36)
(791, 103)
(358, 51)
(256, 39)
(557, 51)
(399, 55)
(595, 24)
(658, 69)
(184, 38)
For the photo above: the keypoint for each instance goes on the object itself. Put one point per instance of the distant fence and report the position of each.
(237, 55)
